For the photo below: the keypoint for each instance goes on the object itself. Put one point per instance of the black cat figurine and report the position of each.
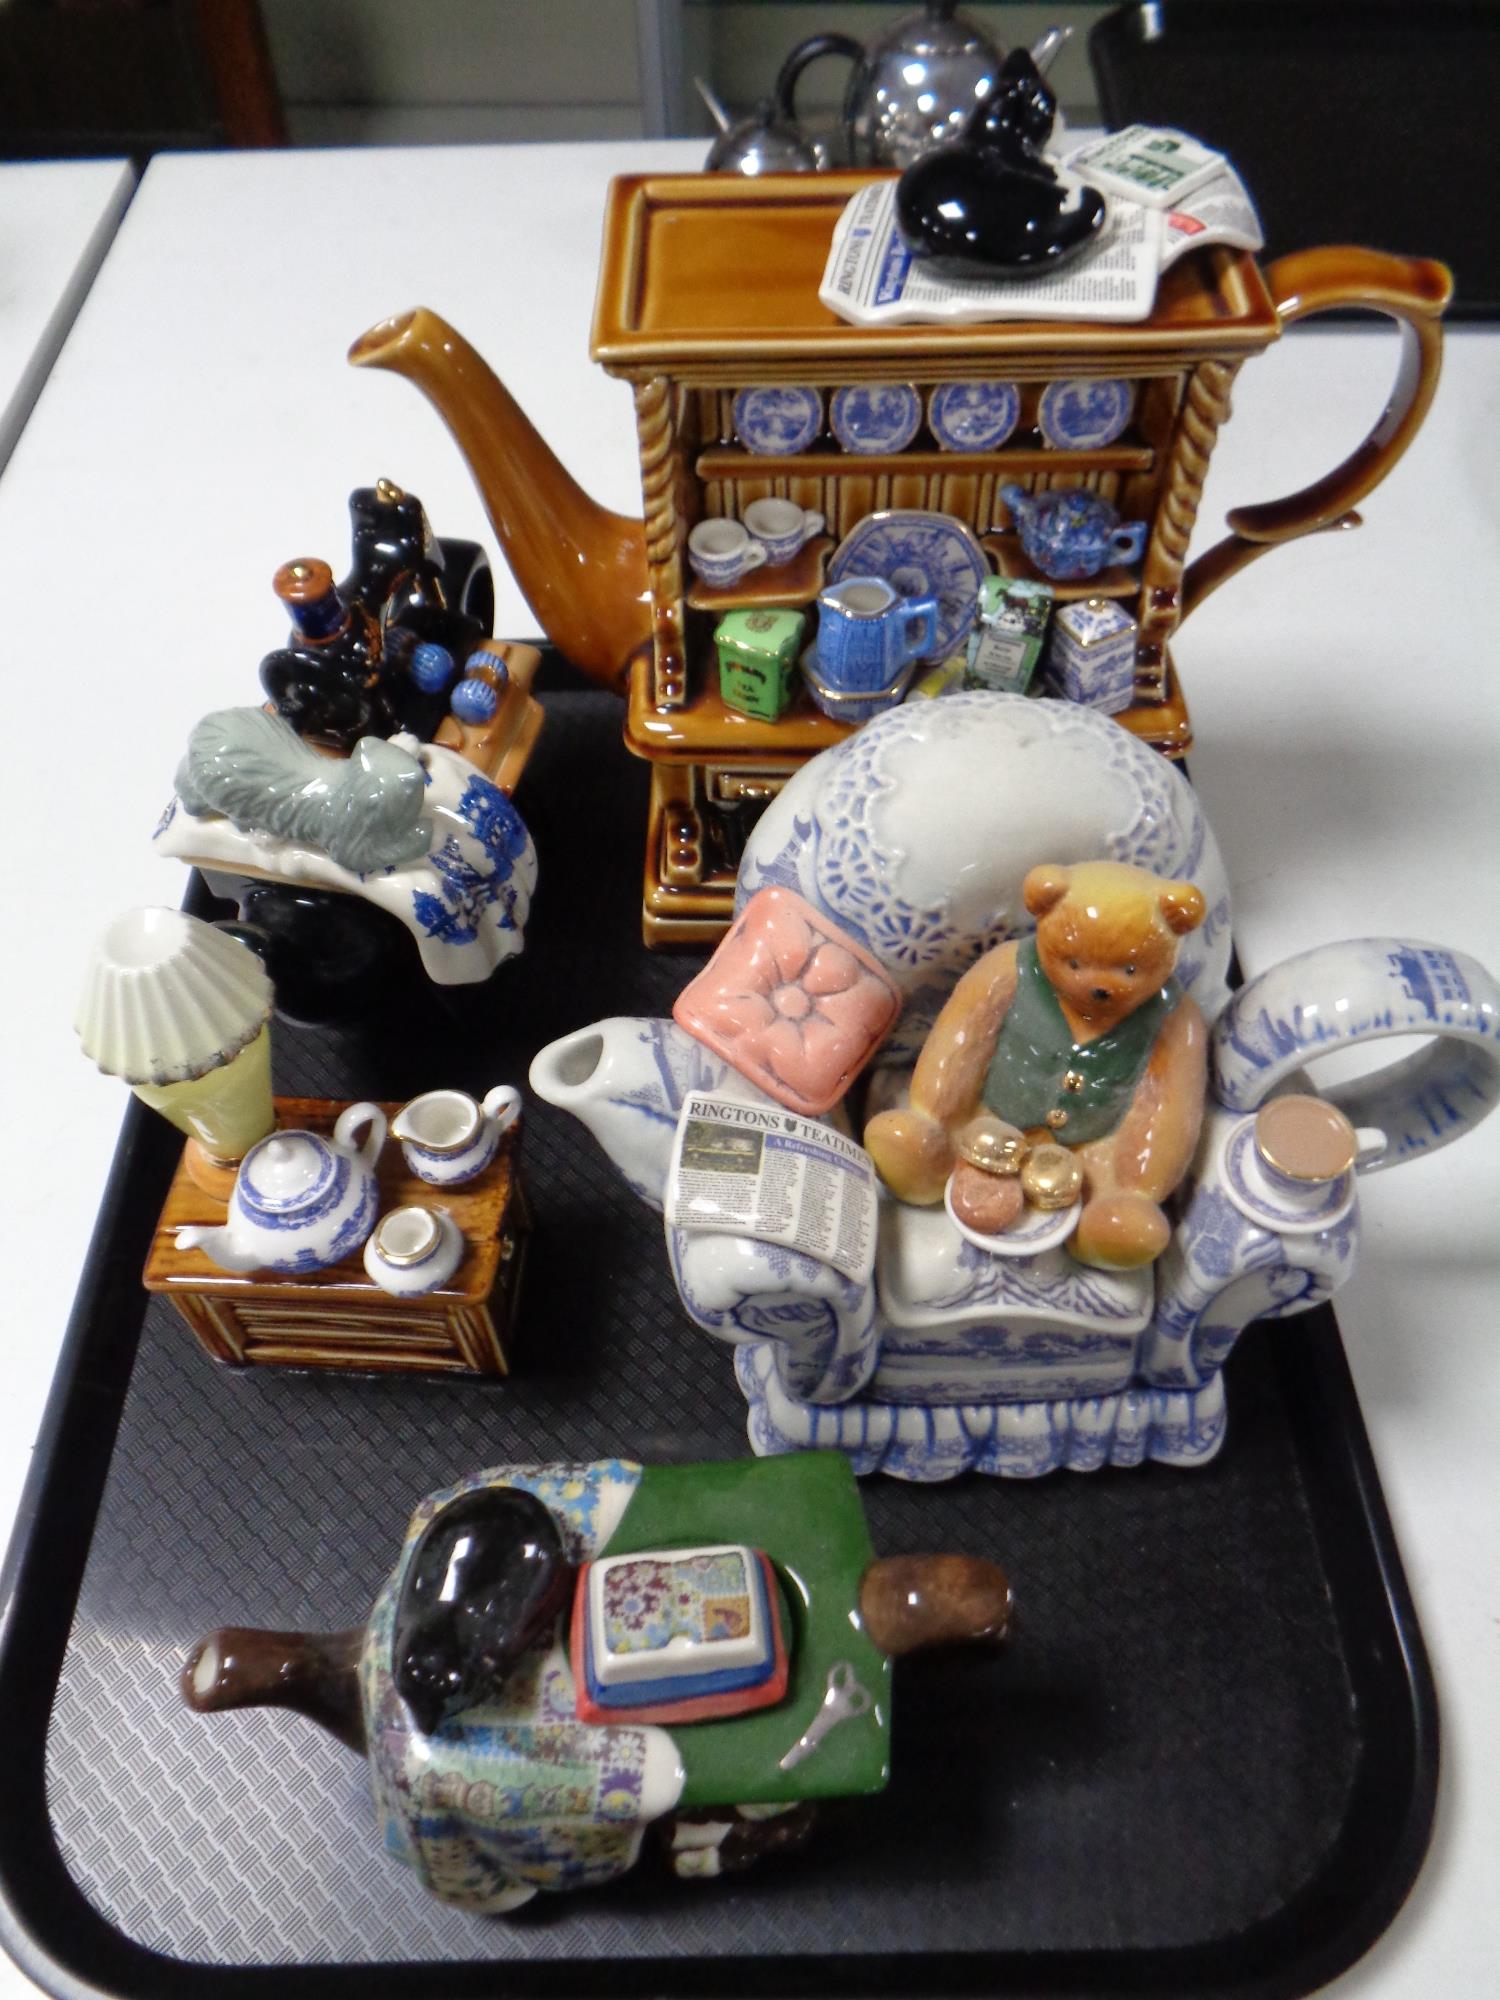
(486, 1579)
(988, 204)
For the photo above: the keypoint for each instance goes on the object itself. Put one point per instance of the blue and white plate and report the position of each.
(777, 418)
(920, 554)
(875, 416)
(1033, 1231)
(973, 416)
(1084, 415)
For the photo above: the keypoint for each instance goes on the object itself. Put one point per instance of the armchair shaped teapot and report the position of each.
(1218, 1187)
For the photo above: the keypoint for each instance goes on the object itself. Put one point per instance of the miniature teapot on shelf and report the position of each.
(1071, 533)
(300, 1201)
(584, 569)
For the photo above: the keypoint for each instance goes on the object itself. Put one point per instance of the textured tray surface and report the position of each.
(1171, 1755)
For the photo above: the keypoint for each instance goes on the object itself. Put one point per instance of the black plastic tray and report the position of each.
(1351, 121)
(1206, 1766)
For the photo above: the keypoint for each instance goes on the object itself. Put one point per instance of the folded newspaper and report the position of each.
(1166, 194)
(751, 1170)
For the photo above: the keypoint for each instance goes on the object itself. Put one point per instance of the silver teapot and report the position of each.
(910, 90)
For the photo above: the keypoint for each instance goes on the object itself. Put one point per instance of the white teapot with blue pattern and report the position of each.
(300, 1201)
(945, 1354)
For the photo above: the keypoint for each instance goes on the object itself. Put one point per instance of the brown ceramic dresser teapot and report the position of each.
(675, 318)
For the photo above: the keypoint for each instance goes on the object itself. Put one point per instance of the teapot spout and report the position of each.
(910, 1602)
(218, 1244)
(582, 568)
(315, 1673)
(1022, 504)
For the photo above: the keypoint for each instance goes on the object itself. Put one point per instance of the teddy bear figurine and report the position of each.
(1076, 1038)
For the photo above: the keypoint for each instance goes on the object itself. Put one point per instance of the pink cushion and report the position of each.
(793, 1004)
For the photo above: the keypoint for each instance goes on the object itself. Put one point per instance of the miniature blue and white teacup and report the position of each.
(1071, 533)
(782, 527)
(868, 632)
(1290, 1166)
(721, 552)
(447, 1137)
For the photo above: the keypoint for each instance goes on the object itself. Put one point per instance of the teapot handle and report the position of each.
(503, 1104)
(1346, 995)
(350, 1120)
(1412, 291)
(808, 52)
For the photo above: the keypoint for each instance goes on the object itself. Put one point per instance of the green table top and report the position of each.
(804, 1511)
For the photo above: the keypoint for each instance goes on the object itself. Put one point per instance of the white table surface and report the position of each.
(201, 425)
(56, 221)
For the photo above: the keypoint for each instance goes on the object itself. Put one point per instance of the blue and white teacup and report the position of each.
(1290, 1166)
(721, 552)
(782, 527)
(447, 1137)
(868, 632)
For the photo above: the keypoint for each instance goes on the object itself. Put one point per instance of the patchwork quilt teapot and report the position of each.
(568, 1656)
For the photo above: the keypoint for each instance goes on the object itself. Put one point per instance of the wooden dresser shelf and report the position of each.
(779, 587)
(1010, 559)
(734, 462)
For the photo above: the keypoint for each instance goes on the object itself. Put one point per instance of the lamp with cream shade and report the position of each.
(181, 1011)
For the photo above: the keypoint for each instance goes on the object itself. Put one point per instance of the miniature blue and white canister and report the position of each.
(1091, 659)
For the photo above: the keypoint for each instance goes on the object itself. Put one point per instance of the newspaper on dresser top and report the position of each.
(872, 279)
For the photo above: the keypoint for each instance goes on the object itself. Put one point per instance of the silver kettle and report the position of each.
(769, 140)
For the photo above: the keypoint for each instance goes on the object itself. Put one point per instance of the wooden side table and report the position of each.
(338, 1317)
